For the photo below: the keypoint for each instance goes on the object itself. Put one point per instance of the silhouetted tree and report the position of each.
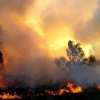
(77, 55)
(75, 52)
(91, 59)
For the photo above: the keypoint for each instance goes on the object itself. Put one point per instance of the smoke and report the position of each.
(82, 18)
(1, 37)
(83, 71)
(90, 31)
(86, 76)
(24, 49)
(32, 33)
(76, 15)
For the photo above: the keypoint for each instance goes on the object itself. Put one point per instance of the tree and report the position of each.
(77, 55)
(91, 59)
(75, 52)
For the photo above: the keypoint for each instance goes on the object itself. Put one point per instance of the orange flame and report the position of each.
(71, 89)
(9, 96)
(74, 89)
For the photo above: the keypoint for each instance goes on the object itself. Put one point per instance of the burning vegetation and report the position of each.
(77, 63)
(10, 96)
(69, 89)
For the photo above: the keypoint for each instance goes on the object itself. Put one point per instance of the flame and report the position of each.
(74, 89)
(71, 89)
(60, 92)
(10, 96)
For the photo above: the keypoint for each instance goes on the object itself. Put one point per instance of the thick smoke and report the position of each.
(77, 15)
(1, 37)
(83, 71)
(24, 50)
(90, 31)
(32, 31)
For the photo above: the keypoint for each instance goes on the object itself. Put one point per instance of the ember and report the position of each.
(98, 87)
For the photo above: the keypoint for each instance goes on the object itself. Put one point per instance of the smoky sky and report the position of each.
(19, 6)
(21, 45)
(26, 51)
(90, 31)
(80, 16)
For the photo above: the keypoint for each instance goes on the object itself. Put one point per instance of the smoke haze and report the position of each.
(33, 33)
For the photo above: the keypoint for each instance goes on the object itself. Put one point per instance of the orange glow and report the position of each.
(9, 96)
(1, 65)
(60, 92)
(51, 23)
(86, 49)
(71, 89)
(39, 94)
(55, 38)
(98, 87)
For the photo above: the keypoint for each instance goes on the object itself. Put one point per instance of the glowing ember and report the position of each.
(71, 89)
(39, 94)
(98, 87)
(9, 96)
(59, 92)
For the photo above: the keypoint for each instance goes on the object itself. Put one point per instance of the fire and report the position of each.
(60, 92)
(10, 96)
(74, 89)
(71, 89)
(98, 87)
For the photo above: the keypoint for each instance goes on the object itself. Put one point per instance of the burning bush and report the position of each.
(75, 72)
